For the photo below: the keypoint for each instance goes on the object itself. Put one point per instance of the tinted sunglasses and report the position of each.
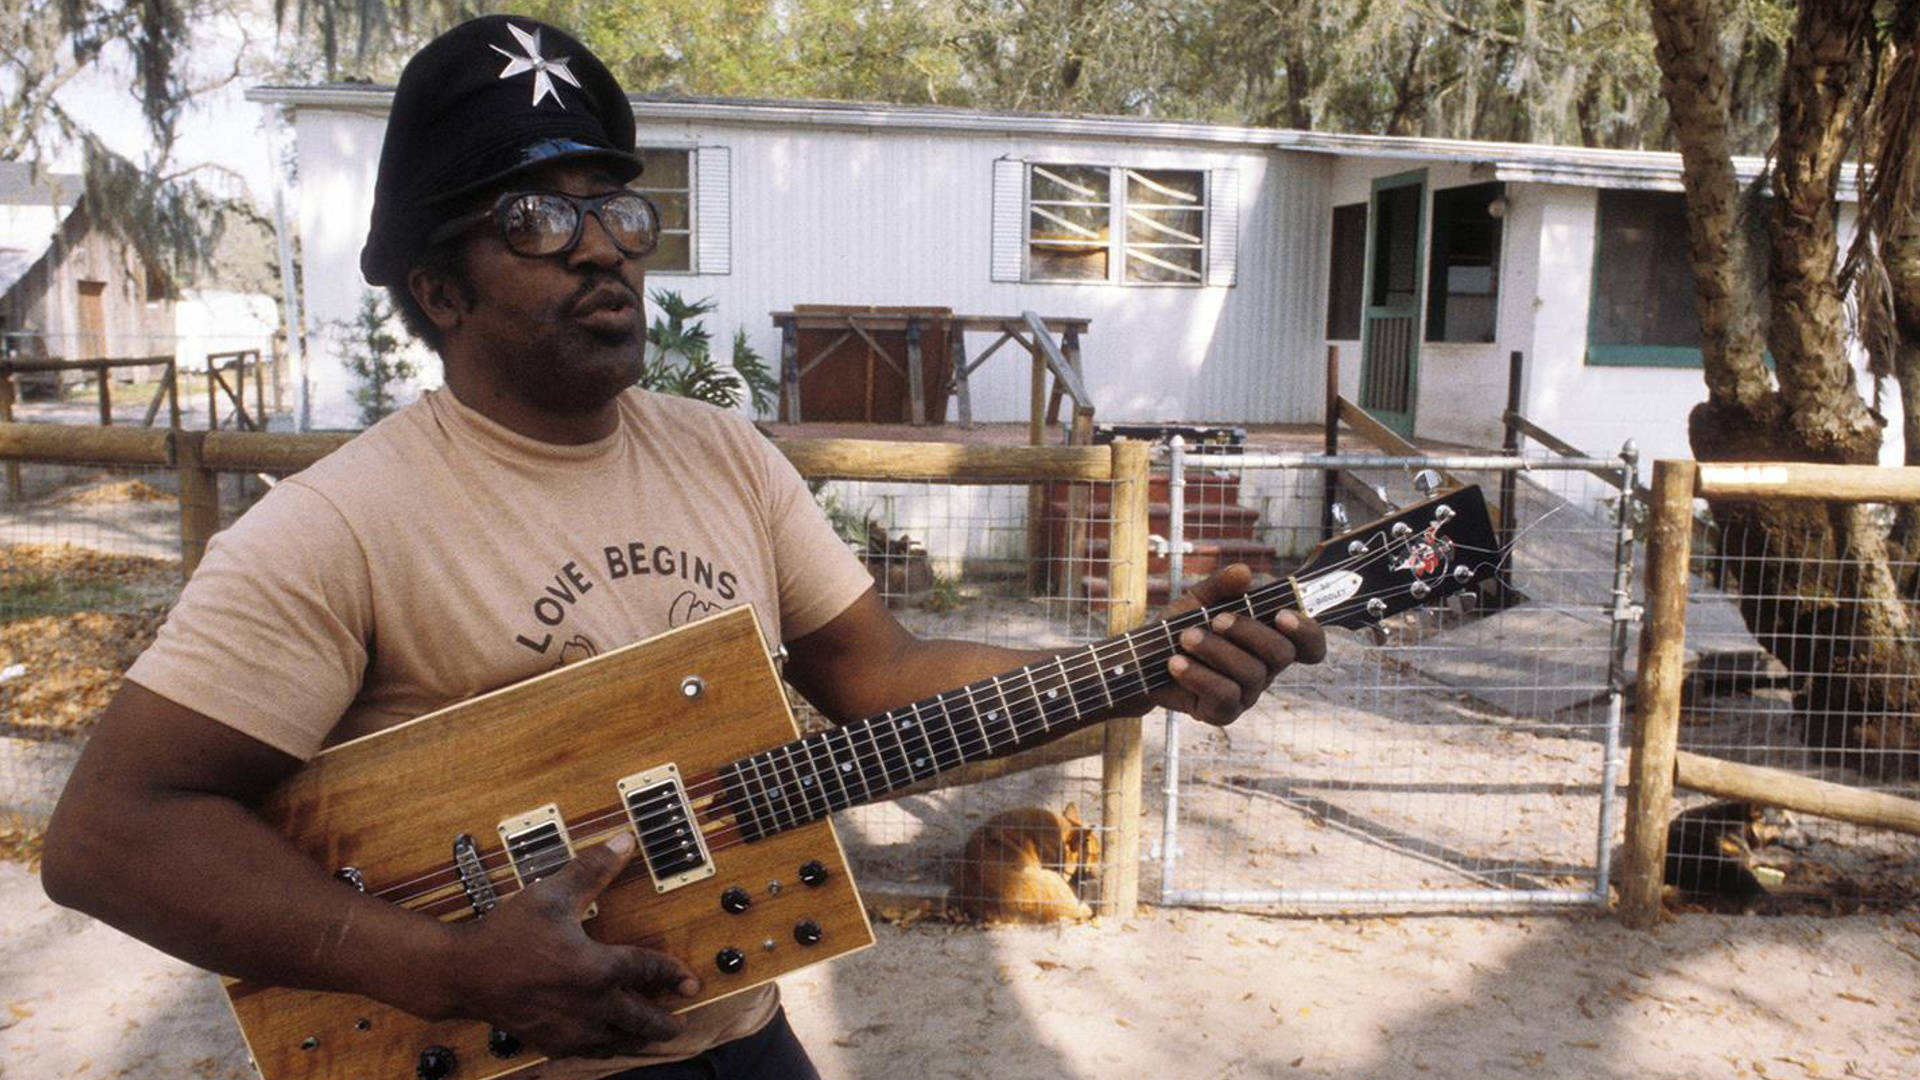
(540, 223)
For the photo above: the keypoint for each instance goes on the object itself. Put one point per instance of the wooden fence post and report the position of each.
(1120, 762)
(199, 498)
(1656, 728)
(6, 416)
(106, 395)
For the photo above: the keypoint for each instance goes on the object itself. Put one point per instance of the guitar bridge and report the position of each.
(670, 838)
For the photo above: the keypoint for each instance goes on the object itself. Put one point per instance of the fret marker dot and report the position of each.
(1119, 669)
(846, 766)
(919, 763)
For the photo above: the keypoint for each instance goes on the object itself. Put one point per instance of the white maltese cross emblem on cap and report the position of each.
(544, 68)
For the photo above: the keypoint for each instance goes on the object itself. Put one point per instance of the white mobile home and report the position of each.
(1215, 264)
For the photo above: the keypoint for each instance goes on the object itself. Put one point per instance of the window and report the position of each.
(1463, 279)
(1643, 308)
(1347, 272)
(1071, 216)
(668, 181)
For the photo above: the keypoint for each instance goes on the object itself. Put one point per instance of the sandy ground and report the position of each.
(1166, 994)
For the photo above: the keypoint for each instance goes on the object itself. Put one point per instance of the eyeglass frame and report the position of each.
(582, 206)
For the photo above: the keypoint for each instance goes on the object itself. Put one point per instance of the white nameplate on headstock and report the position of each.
(1319, 594)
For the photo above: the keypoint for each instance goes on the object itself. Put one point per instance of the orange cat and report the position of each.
(1019, 866)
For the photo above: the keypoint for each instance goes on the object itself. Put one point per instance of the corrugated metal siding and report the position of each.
(846, 217)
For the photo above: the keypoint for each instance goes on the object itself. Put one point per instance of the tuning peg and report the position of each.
(1426, 482)
(1337, 513)
(1380, 492)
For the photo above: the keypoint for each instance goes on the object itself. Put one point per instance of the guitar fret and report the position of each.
(1013, 722)
(1072, 696)
(776, 793)
(902, 755)
(850, 765)
(812, 805)
(872, 762)
(1100, 674)
(1039, 704)
(1139, 670)
(819, 746)
(741, 800)
(799, 794)
(979, 722)
(927, 764)
(955, 753)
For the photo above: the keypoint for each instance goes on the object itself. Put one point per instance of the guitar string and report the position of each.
(638, 869)
(1030, 708)
(498, 860)
(803, 811)
(500, 872)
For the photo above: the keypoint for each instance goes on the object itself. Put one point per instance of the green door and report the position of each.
(1390, 332)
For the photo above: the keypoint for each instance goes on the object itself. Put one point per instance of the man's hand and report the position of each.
(1224, 667)
(530, 969)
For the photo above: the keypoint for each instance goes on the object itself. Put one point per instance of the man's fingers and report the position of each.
(1309, 638)
(1245, 653)
(654, 974)
(640, 1020)
(1223, 584)
(582, 881)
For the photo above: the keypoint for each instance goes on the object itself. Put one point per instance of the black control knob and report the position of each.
(730, 960)
(807, 932)
(735, 900)
(436, 1063)
(813, 873)
(502, 1045)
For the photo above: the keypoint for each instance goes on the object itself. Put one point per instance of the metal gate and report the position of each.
(1465, 755)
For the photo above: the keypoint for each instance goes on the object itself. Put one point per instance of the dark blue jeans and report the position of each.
(772, 1053)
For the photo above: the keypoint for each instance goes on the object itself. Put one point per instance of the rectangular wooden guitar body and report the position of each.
(390, 806)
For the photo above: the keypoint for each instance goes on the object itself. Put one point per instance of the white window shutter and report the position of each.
(1009, 219)
(1223, 226)
(713, 209)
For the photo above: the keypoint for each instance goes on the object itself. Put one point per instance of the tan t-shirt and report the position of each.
(439, 556)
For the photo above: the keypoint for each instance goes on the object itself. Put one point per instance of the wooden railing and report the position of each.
(200, 456)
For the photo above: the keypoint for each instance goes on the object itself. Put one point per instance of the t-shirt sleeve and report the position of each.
(270, 637)
(819, 575)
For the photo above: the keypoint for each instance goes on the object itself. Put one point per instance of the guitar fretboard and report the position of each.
(851, 764)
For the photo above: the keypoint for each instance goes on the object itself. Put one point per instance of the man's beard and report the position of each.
(573, 369)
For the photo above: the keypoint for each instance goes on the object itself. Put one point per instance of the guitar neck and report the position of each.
(860, 762)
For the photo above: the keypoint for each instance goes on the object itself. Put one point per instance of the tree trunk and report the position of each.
(1687, 33)
(1815, 583)
(1819, 99)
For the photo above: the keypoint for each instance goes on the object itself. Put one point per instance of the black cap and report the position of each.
(481, 102)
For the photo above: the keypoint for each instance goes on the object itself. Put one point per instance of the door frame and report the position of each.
(1417, 178)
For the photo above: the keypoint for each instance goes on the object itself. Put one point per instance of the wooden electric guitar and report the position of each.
(738, 871)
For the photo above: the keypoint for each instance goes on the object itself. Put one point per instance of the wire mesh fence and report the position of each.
(1459, 755)
(89, 564)
(1020, 565)
(1800, 654)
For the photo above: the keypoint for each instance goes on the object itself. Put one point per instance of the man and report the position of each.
(457, 547)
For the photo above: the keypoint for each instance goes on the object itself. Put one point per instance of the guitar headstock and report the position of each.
(1420, 555)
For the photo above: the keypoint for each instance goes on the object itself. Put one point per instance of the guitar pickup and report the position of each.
(670, 838)
(538, 845)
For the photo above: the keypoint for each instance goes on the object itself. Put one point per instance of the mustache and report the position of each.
(600, 292)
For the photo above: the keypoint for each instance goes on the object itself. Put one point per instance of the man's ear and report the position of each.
(441, 297)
